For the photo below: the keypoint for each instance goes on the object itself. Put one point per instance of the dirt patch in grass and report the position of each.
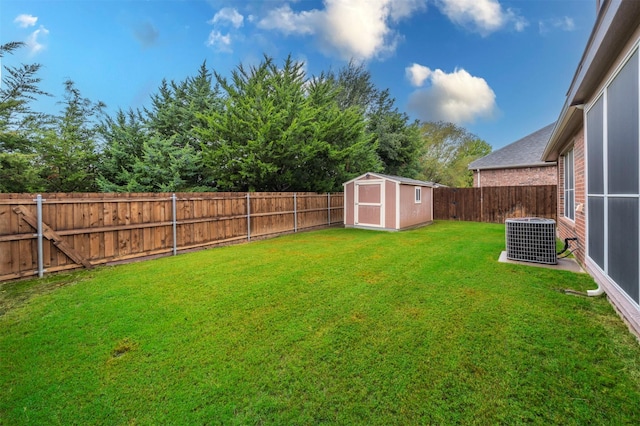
(17, 293)
(123, 347)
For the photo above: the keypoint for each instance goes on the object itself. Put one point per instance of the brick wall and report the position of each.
(568, 228)
(526, 176)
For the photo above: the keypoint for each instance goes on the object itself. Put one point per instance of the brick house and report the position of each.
(596, 144)
(517, 164)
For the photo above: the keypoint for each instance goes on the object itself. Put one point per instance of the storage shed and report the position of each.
(391, 203)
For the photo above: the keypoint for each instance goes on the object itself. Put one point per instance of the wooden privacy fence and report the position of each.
(495, 204)
(56, 232)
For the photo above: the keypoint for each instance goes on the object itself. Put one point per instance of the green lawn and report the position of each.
(340, 326)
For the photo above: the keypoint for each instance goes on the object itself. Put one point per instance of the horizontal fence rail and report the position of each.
(56, 232)
(495, 204)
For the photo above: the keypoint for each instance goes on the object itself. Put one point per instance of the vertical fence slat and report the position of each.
(174, 220)
(248, 217)
(295, 212)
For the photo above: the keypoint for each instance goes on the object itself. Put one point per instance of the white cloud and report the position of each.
(33, 41)
(567, 24)
(358, 29)
(287, 21)
(482, 16)
(457, 97)
(417, 74)
(563, 24)
(519, 23)
(401, 9)
(228, 14)
(219, 42)
(25, 21)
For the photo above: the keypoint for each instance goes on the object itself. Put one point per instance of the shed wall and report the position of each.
(349, 204)
(412, 213)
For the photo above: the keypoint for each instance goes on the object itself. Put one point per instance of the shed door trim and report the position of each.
(380, 205)
(397, 205)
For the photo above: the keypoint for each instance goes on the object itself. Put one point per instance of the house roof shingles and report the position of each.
(525, 152)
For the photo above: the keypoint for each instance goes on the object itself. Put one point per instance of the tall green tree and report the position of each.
(397, 138)
(447, 151)
(137, 143)
(278, 131)
(348, 149)
(123, 137)
(68, 144)
(19, 161)
(177, 110)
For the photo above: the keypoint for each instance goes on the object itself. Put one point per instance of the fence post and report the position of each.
(295, 212)
(329, 208)
(38, 201)
(175, 224)
(248, 217)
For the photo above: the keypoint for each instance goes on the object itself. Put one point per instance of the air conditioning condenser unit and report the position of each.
(531, 239)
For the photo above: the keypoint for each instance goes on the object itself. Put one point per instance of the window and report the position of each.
(418, 195)
(569, 190)
(613, 178)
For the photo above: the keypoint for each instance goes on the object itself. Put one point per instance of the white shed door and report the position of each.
(369, 199)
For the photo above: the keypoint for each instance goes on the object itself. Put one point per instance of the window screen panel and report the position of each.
(622, 130)
(623, 244)
(595, 143)
(595, 212)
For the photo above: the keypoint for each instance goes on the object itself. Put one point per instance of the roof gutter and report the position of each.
(570, 121)
(511, 166)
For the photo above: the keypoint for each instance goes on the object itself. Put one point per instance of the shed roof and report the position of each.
(525, 152)
(398, 179)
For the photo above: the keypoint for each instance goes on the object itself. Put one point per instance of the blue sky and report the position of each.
(499, 68)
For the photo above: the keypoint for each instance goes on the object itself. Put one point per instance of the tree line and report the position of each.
(267, 127)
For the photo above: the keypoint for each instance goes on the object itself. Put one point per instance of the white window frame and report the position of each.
(418, 196)
(569, 190)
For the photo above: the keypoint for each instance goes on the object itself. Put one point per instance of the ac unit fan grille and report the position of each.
(531, 239)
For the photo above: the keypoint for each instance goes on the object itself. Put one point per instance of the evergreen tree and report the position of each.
(279, 132)
(19, 162)
(397, 139)
(165, 133)
(123, 137)
(67, 145)
(178, 109)
(163, 167)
